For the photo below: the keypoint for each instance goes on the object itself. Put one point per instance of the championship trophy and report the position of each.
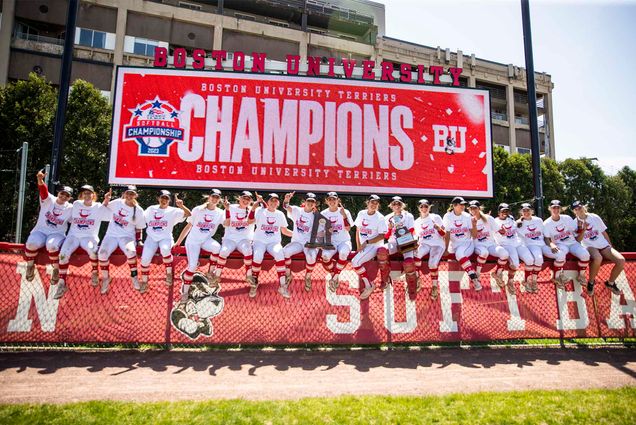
(320, 233)
(405, 240)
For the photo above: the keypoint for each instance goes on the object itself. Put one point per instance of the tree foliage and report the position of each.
(27, 114)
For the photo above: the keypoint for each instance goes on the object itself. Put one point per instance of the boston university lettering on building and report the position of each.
(416, 74)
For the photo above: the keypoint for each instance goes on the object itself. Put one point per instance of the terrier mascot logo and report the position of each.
(194, 317)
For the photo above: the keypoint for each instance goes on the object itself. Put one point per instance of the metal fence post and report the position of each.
(23, 169)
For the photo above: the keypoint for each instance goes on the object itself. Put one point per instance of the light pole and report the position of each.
(532, 109)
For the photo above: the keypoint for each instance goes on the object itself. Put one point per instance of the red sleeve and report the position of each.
(227, 213)
(412, 230)
(44, 192)
(441, 232)
(251, 216)
(389, 233)
(345, 221)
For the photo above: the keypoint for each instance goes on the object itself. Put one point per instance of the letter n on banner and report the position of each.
(45, 305)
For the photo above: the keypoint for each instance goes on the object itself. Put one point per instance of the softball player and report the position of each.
(530, 229)
(597, 242)
(270, 223)
(483, 227)
(507, 237)
(559, 231)
(303, 218)
(160, 220)
(50, 229)
(239, 232)
(398, 218)
(458, 239)
(340, 219)
(202, 224)
(429, 230)
(124, 231)
(86, 218)
(371, 228)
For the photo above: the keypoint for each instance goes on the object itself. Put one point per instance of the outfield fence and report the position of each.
(29, 314)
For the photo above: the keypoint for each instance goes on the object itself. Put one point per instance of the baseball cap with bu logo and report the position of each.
(503, 207)
(397, 199)
(424, 202)
(576, 204)
(474, 204)
(555, 203)
(526, 206)
(373, 198)
(458, 200)
(310, 197)
(246, 193)
(163, 193)
(272, 196)
(332, 195)
(215, 192)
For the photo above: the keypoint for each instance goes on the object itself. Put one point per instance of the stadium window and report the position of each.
(144, 47)
(190, 6)
(524, 151)
(92, 38)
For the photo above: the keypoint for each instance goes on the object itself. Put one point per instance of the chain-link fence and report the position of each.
(228, 316)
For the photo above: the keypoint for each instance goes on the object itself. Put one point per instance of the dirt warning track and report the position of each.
(60, 377)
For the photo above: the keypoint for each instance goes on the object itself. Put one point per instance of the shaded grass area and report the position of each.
(617, 406)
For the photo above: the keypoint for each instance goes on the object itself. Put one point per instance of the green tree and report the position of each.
(628, 176)
(86, 138)
(27, 113)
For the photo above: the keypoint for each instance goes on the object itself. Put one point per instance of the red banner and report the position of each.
(211, 129)
(28, 312)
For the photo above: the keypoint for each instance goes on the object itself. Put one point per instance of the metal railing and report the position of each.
(38, 38)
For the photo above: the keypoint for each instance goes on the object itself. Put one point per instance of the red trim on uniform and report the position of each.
(251, 215)
(44, 191)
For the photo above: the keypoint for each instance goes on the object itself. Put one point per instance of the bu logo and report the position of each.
(154, 125)
(449, 139)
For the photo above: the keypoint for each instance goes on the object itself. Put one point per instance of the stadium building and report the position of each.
(126, 32)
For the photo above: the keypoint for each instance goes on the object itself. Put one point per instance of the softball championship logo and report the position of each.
(194, 316)
(154, 125)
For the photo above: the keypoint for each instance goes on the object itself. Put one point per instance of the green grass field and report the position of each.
(528, 407)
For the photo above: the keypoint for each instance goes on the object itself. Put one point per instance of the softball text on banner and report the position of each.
(28, 312)
(178, 128)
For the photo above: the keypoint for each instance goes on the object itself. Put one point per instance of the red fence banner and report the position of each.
(30, 314)
(183, 128)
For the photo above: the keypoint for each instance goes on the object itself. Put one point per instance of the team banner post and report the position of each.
(183, 128)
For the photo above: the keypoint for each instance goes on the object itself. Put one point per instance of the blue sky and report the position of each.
(589, 49)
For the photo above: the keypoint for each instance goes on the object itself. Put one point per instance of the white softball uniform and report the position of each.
(303, 224)
(267, 236)
(562, 234)
(485, 242)
(429, 240)
(369, 226)
(403, 220)
(160, 222)
(340, 237)
(531, 234)
(205, 222)
(238, 234)
(124, 221)
(51, 226)
(83, 232)
(593, 236)
(458, 226)
(506, 236)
